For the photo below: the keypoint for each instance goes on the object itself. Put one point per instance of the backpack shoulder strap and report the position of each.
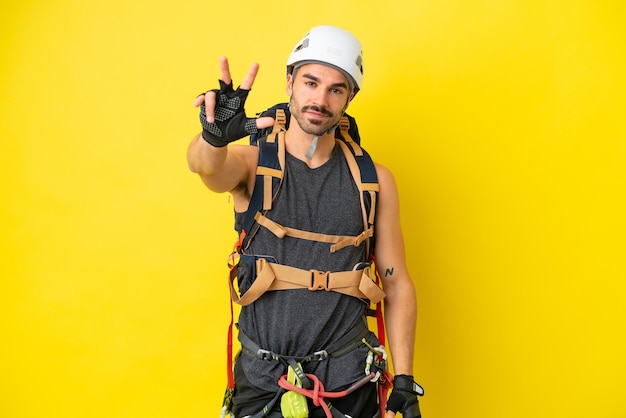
(269, 176)
(364, 174)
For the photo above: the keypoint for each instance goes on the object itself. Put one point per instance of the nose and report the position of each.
(320, 98)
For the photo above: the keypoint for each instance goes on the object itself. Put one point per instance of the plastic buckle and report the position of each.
(319, 280)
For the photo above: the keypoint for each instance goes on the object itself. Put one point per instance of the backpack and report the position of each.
(270, 171)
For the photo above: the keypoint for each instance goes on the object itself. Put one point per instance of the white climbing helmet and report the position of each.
(333, 46)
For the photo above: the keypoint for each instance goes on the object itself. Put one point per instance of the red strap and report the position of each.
(239, 242)
(318, 393)
(386, 380)
(229, 346)
(380, 322)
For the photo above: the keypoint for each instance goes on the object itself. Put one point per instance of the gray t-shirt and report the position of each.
(299, 322)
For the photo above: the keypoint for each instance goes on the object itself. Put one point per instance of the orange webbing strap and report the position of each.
(373, 195)
(280, 121)
(267, 174)
(271, 276)
(278, 134)
(344, 126)
(338, 241)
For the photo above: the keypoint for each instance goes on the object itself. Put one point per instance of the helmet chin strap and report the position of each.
(312, 148)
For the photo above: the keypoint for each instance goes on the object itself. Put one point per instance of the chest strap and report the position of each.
(338, 241)
(272, 276)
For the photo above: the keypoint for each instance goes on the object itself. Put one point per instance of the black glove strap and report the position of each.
(406, 383)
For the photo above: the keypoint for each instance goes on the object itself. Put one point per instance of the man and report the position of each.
(317, 195)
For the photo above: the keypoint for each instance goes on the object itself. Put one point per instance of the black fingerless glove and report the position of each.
(404, 395)
(231, 122)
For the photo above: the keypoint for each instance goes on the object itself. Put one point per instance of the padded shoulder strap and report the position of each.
(363, 160)
(269, 176)
(364, 175)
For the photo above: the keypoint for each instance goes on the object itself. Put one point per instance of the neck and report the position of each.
(298, 143)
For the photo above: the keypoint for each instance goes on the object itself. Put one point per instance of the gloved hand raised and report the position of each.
(404, 395)
(222, 112)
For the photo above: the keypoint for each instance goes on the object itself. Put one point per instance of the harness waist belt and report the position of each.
(272, 276)
(351, 340)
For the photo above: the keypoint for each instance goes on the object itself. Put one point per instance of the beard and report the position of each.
(315, 127)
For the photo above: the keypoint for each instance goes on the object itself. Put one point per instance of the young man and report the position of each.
(318, 197)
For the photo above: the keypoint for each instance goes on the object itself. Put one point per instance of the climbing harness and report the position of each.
(309, 385)
(264, 274)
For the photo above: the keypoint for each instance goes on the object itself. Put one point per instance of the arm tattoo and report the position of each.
(389, 272)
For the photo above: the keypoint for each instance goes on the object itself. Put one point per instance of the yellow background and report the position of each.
(504, 124)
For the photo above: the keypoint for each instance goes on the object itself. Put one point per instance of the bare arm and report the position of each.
(400, 302)
(221, 169)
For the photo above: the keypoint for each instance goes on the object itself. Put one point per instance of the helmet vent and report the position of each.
(359, 63)
(304, 44)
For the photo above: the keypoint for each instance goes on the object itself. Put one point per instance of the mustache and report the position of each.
(318, 109)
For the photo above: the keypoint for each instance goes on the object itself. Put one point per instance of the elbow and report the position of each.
(192, 166)
(194, 161)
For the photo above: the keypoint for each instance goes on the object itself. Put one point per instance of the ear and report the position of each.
(348, 102)
(289, 88)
